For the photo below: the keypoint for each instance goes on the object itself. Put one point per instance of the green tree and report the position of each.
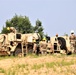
(39, 28)
(21, 23)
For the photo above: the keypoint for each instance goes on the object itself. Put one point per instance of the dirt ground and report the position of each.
(56, 64)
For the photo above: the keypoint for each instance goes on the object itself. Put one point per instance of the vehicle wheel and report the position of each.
(17, 52)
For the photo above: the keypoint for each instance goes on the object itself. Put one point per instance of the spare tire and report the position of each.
(62, 43)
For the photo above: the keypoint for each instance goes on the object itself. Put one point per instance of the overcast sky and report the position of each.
(57, 16)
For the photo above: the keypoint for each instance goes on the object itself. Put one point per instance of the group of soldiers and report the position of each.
(43, 47)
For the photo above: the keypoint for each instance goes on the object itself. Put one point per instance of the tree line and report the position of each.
(23, 25)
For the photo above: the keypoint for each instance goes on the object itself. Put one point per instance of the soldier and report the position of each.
(34, 46)
(43, 46)
(11, 35)
(56, 44)
(50, 47)
(72, 39)
(12, 29)
(56, 37)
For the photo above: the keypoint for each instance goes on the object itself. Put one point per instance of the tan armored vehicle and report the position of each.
(11, 43)
(28, 39)
(61, 44)
(15, 43)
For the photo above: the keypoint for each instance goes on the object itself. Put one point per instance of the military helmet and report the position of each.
(34, 40)
(44, 39)
(8, 28)
(72, 31)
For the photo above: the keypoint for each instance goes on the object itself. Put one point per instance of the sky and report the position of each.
(57, 16)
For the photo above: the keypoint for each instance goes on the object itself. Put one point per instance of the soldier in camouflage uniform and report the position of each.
(43, 46)
(34, 46)
(72, 39)
(50, 47)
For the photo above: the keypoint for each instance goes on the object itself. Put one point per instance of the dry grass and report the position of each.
(39, 65)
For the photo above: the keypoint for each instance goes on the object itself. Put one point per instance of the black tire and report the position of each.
(62, 43)
(18, 50)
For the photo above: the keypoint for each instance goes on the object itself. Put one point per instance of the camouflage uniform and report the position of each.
(34, 48)
(72, 42)
(49, 47)
(43, 47)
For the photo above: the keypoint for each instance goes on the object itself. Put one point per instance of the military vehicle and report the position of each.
(28, 40)
(15, 43)
(61, 44)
